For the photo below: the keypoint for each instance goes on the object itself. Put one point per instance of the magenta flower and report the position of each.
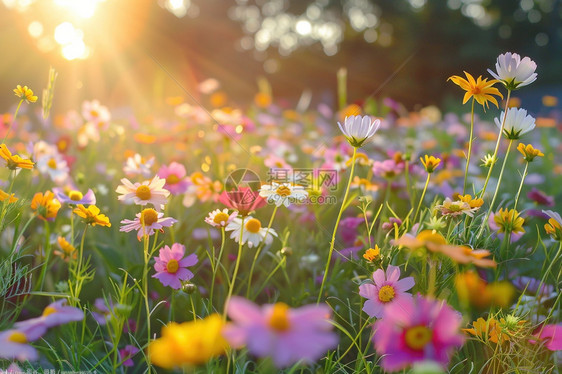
(146, 222)
(552, 336)
(286, 335)
(244, 200)
(175, 176)
(103, 311)
(387, 290)
(171, 266)
(415, 330)
(54, 314)
(126, 355)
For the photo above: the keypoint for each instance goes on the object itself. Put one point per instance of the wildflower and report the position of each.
(45, 205)
(554, 225)
(472, 202)
(509, 221)
(74, 196)
(54, 165)
(92, 215)
(540, 197)
(551, 335)
(13, 343)
(388, 226)
(138, 165)
(517, 123)
(287, 335)
(146, 222)
(488, 161)
(529, 152)
(387, 169)
(10, 198)
(488, 330)
(103, 311)
(14, 161)
(175, 176)
(25, 93)
(372, 254)
(126, 355)
(358, 129)
(188, 343)
(171, 266)
(386, 291)
(147, 192)
(67, 250)
(513, 71)
(452, 208)
(96, 113)
(283, 193)
(54, 314)
(436, 223)
(475, 291)
(244, 200)
(202, 188)
(415, 330)
(262, 99)
(480, 89)
(430, 163)
(220, 218)
(253, 232)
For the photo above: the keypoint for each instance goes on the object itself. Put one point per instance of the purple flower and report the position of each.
(171, 266)
(74, 197)
(287, 335)
(531, 286)
(387, 290)
(54, 314)
(175, 176)
(540, 197)
(348, 228)
(103, 311)
(13, 342)
(415, 330)
(126, 353)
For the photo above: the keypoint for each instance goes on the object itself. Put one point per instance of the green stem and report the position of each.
(217, 264)
(432, 278)
(13, 120)
(407, 177)
(145, 291)
(333, 242)
(497, 146)
(469, 147)
(236, 266)
(258, 251)
(78, 273)
(421, 198)
(41, 279)
(521, 185)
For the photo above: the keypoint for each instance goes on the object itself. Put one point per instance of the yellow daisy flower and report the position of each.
(480, 89)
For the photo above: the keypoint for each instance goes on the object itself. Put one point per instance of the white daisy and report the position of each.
(283, 193)
(513, 71)
(54, 165)
(147, 192)
(358, 129)
(137, 165)
(220, 218)
(516, 124)
(253, 232)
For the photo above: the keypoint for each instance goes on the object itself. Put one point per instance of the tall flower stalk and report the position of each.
(469, 147)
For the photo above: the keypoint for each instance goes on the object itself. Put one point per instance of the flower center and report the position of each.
(253, 225)
(75, 195)
(172, 266)
(17, 337)
(148, 217)
(283, 191)
(417, 337)
(279, 320)
(172, 179)
(48, 311)
(143, 192)
(94, 113)
(386, 294)
(52, 163)
(220, 218)
(197, 178)
(431, 236)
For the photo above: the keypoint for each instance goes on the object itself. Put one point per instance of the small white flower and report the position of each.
(53, 165)
(220, 218)
(517, 123)
(253, 232)
(513, 71)
(147, 192)
(283, 193)
(358, 129)
(137, 165)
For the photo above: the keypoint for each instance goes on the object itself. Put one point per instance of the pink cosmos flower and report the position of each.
(287, 335)
(74, 197)
(244, 200)
(54, 314)
(175, 176)
(126, 355)
(415, 330)
(171, 266)
(146, 222)
(386, 291)
(96, 113)
(388, 168)
(552, 336)
(13, 343)
(147, 192)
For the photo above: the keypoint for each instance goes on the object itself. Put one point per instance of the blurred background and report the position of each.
(135, 52)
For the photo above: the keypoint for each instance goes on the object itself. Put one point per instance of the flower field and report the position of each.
(282, 237)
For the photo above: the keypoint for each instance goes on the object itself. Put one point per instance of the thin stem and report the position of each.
(469, 147)
(432, 278)
(407, 177)
(258, 251)
(13, 120)
(146, 239)
(521, 185)
(78, 275)
(333, 242)
(217, 264)
(236, 266)
(497, 145)
(421, 198)
(47, 255)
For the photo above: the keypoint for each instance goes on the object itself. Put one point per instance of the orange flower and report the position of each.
(480, 90)
(67, 250)
(45, 205)
(25, 93)
(4, 196)
(14, 161)
(372, 254)
(92, 215)
(529, 152)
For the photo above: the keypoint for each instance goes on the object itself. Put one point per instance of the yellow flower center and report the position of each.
(431, 236)
(148, 217)
(172, 266)
(75, 195)
(283, 191)
(417, 337)
(279, 320)
(48, 311)
(172, 179)
(386, 294)
(94, 113)
(253, 225)
(220, 218)
(17, 337)
(143, 192)
(52, 163)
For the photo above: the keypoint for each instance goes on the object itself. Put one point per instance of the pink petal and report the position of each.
(392, 273)
(405, 284)
(379, 277)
